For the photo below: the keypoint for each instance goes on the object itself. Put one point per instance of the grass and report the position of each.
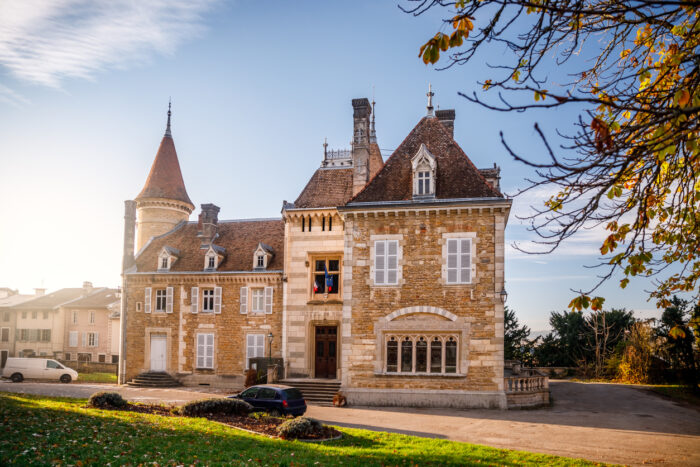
(97, 378)
(678, 392)
(38, 430)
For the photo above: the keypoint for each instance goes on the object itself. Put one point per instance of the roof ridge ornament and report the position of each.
(167, 128)
(430, 95)
(372, 131)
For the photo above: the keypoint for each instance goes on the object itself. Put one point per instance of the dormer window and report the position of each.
(213, 257)
(167, 257)
(262, 256)
(212, 262)
(424, 167)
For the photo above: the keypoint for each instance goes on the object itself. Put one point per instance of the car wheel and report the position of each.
(65, 378)
(17, 378)
(275, 413)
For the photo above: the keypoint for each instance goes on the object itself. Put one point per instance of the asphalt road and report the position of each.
(600, 422)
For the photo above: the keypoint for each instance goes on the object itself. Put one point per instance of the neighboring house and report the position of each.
(8, 319)
(386, 277)
(89, 327)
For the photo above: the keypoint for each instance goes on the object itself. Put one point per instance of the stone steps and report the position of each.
(316, 392)
(154, 380)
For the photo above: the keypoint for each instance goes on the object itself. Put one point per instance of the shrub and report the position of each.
(104, 400)
(302, 427)
(216, 406)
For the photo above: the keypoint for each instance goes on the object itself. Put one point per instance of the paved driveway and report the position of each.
(600, 422)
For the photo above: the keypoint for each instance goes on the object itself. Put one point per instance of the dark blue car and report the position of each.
(275, 399)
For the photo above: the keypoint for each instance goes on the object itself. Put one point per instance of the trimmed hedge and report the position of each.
(301, 427)
(103, 400)
(216, 406)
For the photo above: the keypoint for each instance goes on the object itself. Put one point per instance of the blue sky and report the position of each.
(255, 87)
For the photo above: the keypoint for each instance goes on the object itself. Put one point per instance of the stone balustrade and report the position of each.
(526, 383)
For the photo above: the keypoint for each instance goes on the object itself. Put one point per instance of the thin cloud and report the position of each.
(8, 96)
(47, 41)
(548, 278)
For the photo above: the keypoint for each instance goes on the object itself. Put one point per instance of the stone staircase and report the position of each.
(316, 391)
(154, 380)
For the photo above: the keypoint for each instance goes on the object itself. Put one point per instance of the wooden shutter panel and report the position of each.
(244, 300)
(217, 300)
(97, 336)
(169, 300)
(147, 300)
(194, 299)
(85, 339)
(268, 300)
(379, 261)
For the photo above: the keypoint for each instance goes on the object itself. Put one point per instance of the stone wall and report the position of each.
(424, 302)
(230, 327)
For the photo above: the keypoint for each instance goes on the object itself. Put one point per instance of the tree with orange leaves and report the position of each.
(632, 164)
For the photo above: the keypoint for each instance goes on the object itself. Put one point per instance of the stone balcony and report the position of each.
(524, 387)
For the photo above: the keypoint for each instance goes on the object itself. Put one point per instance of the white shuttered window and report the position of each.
(268, 300)
(459, 260)
(169, 300)
(147, 300)
(73, 339)
(244, 300)
(205, 350)
(217, 300)
(255, 347)
(386, 262)
(194, 299)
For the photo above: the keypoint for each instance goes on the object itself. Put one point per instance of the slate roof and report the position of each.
(327, 187)
(97, 299)
(240, 238)
(165, 178)
(376, 161)
(52, 300)
(14, 300)
(457, 177)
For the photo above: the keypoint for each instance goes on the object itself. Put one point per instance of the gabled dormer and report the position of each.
(262, 256)
(213, 257)
(167, 257)
(424, 167)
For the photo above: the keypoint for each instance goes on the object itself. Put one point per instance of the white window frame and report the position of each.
(380, 262)
(243, 297)
(75, 317)
(147, 296)
(208, 300)
(91, 317)
(458, 237)
(268, 300)
(194, 299)
(424, 178)
(93, 339)
(424, 168)
(73, 339)
(204, 345)
(253, 347)
(257, 300)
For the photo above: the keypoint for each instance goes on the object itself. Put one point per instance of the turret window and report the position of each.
(424, 183)
(424, 168)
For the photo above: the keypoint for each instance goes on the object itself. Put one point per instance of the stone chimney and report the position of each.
(447, 118)
(39, 292)
(129, 234)
(360, 143)
(87, 287)
(208, 220)
(492, 176)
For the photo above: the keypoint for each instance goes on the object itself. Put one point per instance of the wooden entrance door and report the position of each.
(326, 346)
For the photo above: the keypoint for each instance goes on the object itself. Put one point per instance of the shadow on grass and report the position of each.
(40, 431)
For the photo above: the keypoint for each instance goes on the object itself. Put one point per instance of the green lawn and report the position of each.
(678, 392)
(37, 430)
(97, 378)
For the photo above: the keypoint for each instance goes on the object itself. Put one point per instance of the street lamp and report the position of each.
(504, 295)
(269, 339)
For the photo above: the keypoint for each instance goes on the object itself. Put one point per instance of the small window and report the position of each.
(424, 183)
(161, 299)
(323, 224)
(24, 315)
(138, 306)
(258, 296)
(212, 262)
(115, 358)
(303, 224)
(261, 261)
(34, 314)
(84, 357)
(46, 315)
(392, 355)
(330, 223)
(92, 317)
(75, 316)
(45, 335)
(208, 300)
(66, 356)
(6, 316)
(164, 263)
(101, 358)
(5, 335)
(326, 277)
(92, 339)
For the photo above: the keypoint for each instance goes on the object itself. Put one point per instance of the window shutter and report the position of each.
(200, 350)
(392, 266)
(97, 336)
(465, 261)
(85, 339)
(217, 300)
(194, 299)
(147, 300)
(244, 300)
(268, 300)
(452, 261)
(210, 350)
(260, 345)
(379, 261)
(169, 300)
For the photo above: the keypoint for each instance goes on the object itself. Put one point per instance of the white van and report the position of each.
(37, 368)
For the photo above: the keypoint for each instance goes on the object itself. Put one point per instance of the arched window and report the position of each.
(392, 355)
(451, 355)
(421, 355)
(436, 355)
(407, 355)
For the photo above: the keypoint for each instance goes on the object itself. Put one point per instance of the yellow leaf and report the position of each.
(627, 114)
(684, 98)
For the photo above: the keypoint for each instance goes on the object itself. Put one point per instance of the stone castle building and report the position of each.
(384, 276)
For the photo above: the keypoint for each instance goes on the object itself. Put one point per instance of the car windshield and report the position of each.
(293, 394)
(53, 364)
(250, 393)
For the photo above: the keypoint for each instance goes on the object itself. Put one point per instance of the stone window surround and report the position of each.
(413, 337)
(424, 161)
(452, 325)
(472, 257)
(399, 259)
(319, 298)
(147, 347)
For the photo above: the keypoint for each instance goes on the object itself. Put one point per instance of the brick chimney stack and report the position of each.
(87, 287)
(360, 142)
(208, 220)
(447, 118)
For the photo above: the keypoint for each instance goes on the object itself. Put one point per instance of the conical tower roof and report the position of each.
(165, 179)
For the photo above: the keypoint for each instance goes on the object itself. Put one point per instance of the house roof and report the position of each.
(14, 300)
(327, 187)
(456, 175)
(240, 238)
(165, 178)
(52, 300)
(376, 161)
(100, 298)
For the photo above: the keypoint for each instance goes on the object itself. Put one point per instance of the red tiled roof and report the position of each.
(165, 178)
(376, 161)
(240, 238)
(99, 298)
(456, 176)
(327, 187)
